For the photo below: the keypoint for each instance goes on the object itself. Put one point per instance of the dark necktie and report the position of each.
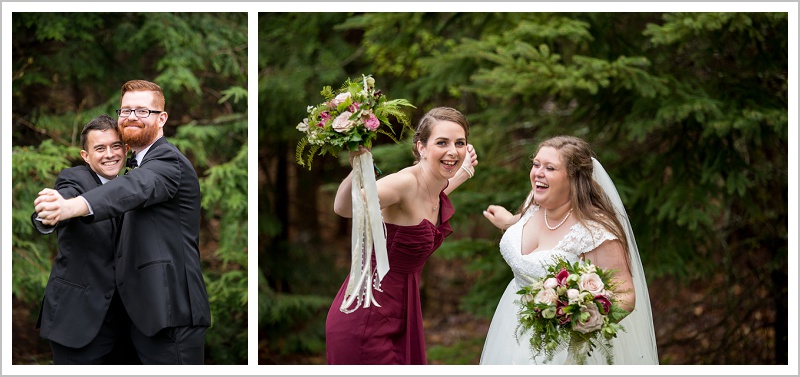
(131, 163)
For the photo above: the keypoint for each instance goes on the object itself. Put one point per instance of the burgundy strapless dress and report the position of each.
(391, 333)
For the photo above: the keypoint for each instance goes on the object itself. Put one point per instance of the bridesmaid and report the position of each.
(416, 212)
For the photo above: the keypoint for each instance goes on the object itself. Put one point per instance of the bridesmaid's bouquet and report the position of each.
(573, 307)
(352, 116)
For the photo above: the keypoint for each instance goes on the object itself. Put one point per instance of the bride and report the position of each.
(573, 212)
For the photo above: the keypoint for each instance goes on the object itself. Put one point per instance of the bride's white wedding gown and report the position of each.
(502, 346)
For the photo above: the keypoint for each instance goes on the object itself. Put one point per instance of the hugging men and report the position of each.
(156, 260)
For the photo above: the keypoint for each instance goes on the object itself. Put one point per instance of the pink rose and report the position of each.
(593, 323)
(591, 282)
(340, 98)
(372, 123)
(546, 296)
(342, 123)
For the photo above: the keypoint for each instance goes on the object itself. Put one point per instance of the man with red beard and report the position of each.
(157, 267)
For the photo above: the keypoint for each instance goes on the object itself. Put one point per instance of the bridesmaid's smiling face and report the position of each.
(549, 178)
(446, 148)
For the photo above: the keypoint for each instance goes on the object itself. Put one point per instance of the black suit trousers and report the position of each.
(184, 345)
(111, 346)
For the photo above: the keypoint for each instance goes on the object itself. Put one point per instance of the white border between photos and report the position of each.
(252, 189)
(253, 8)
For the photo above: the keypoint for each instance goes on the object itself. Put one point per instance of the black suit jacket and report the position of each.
(158, 271)
(81, 282)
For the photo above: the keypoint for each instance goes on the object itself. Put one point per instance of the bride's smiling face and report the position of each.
(549, 178)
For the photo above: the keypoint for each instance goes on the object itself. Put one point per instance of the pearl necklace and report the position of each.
(547, 224)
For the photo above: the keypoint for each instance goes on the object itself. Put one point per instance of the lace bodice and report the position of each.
(526, 268)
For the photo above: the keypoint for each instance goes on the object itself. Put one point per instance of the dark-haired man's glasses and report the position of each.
(140, 113)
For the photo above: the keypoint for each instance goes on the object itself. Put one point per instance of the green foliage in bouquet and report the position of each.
(352, 116)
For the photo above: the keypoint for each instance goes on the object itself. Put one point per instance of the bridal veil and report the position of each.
(637, 344)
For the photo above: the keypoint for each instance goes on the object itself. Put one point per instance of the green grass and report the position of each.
(464, 352)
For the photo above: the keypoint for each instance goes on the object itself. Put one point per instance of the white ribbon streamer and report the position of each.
(368, 232)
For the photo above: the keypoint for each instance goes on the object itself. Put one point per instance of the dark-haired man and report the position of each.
(80, 314)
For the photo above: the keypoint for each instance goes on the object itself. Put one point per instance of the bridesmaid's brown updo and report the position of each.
(430, 119)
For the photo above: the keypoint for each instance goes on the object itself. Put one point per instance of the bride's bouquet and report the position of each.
(353, 116)
(572, 307)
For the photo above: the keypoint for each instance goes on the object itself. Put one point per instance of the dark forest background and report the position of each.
(68, 68)
(688, 113)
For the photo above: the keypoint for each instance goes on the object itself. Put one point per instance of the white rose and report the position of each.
(546, 296)
(574, 295)
(588, 268)
(303, 126)
(342, 123)
(591, 282)
(526, 298)
(551, 283)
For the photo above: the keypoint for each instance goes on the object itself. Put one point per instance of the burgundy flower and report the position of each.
(563, 318)
(604, 302)
(562, 277)
(560, 305)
